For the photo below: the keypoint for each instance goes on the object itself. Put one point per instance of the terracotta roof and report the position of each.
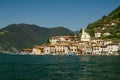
(97, 45)
(62, 44)
(50, 45)
(113, 44)
(27, 49)
(56, 37)
(40, 47)
(103, 46)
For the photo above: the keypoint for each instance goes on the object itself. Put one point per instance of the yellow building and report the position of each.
(38, 50)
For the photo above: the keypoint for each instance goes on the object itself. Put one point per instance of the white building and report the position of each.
(107, 42)
(73, 48)
(99, 50)
(62, 48)
(106, 34)
(88, 50)
(38, 50)
(98, 41)
(104, 49)
(61, 39)
(96, 50)
(97, 34)
(85, 36)
(113, 48)
(49, 49)
(109, 49)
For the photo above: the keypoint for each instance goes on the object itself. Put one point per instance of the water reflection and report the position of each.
(85, 58)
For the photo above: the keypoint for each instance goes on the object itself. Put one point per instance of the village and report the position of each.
(71, 45)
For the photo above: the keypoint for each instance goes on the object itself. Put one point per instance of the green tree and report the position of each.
(80, 32)
(48, 41)
(72, 34)
(119, 51)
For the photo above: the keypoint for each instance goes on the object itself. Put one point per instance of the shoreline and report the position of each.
(61, 54)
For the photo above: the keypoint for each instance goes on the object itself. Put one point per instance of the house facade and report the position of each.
(60, 39)
(97, 34)
(113, 48)
(49, 49)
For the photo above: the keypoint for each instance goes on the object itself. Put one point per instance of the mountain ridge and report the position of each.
(18, 36)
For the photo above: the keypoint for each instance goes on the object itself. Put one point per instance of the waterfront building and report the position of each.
(104, 49)
(38, 50)
(113, 48)
(88, 50)
(73, 48)
(26, 51)
(49, 49)
(99, 50)
(62, 48)
(96, 50)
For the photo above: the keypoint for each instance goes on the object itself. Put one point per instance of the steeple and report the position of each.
(83, 31)
(85, 36)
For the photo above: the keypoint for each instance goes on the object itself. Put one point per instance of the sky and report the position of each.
(72, 14)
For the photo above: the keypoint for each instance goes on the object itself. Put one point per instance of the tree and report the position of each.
(119, 51)
(72, 34)
(80, 32)
(48, 41)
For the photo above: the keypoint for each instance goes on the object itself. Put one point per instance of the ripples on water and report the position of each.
(19, 67)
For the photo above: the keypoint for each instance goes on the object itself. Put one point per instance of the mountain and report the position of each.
(109, 23)
(15, 37)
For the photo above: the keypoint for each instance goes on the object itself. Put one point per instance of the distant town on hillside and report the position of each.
(100, 37)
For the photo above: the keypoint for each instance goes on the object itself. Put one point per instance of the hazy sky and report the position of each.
(72, 14)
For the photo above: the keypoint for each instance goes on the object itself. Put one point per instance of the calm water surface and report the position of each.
(26, 67)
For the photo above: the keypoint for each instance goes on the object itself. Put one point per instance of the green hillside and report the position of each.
(109, 23)
(15, 37)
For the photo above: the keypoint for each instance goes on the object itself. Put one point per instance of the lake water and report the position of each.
(31, 67)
